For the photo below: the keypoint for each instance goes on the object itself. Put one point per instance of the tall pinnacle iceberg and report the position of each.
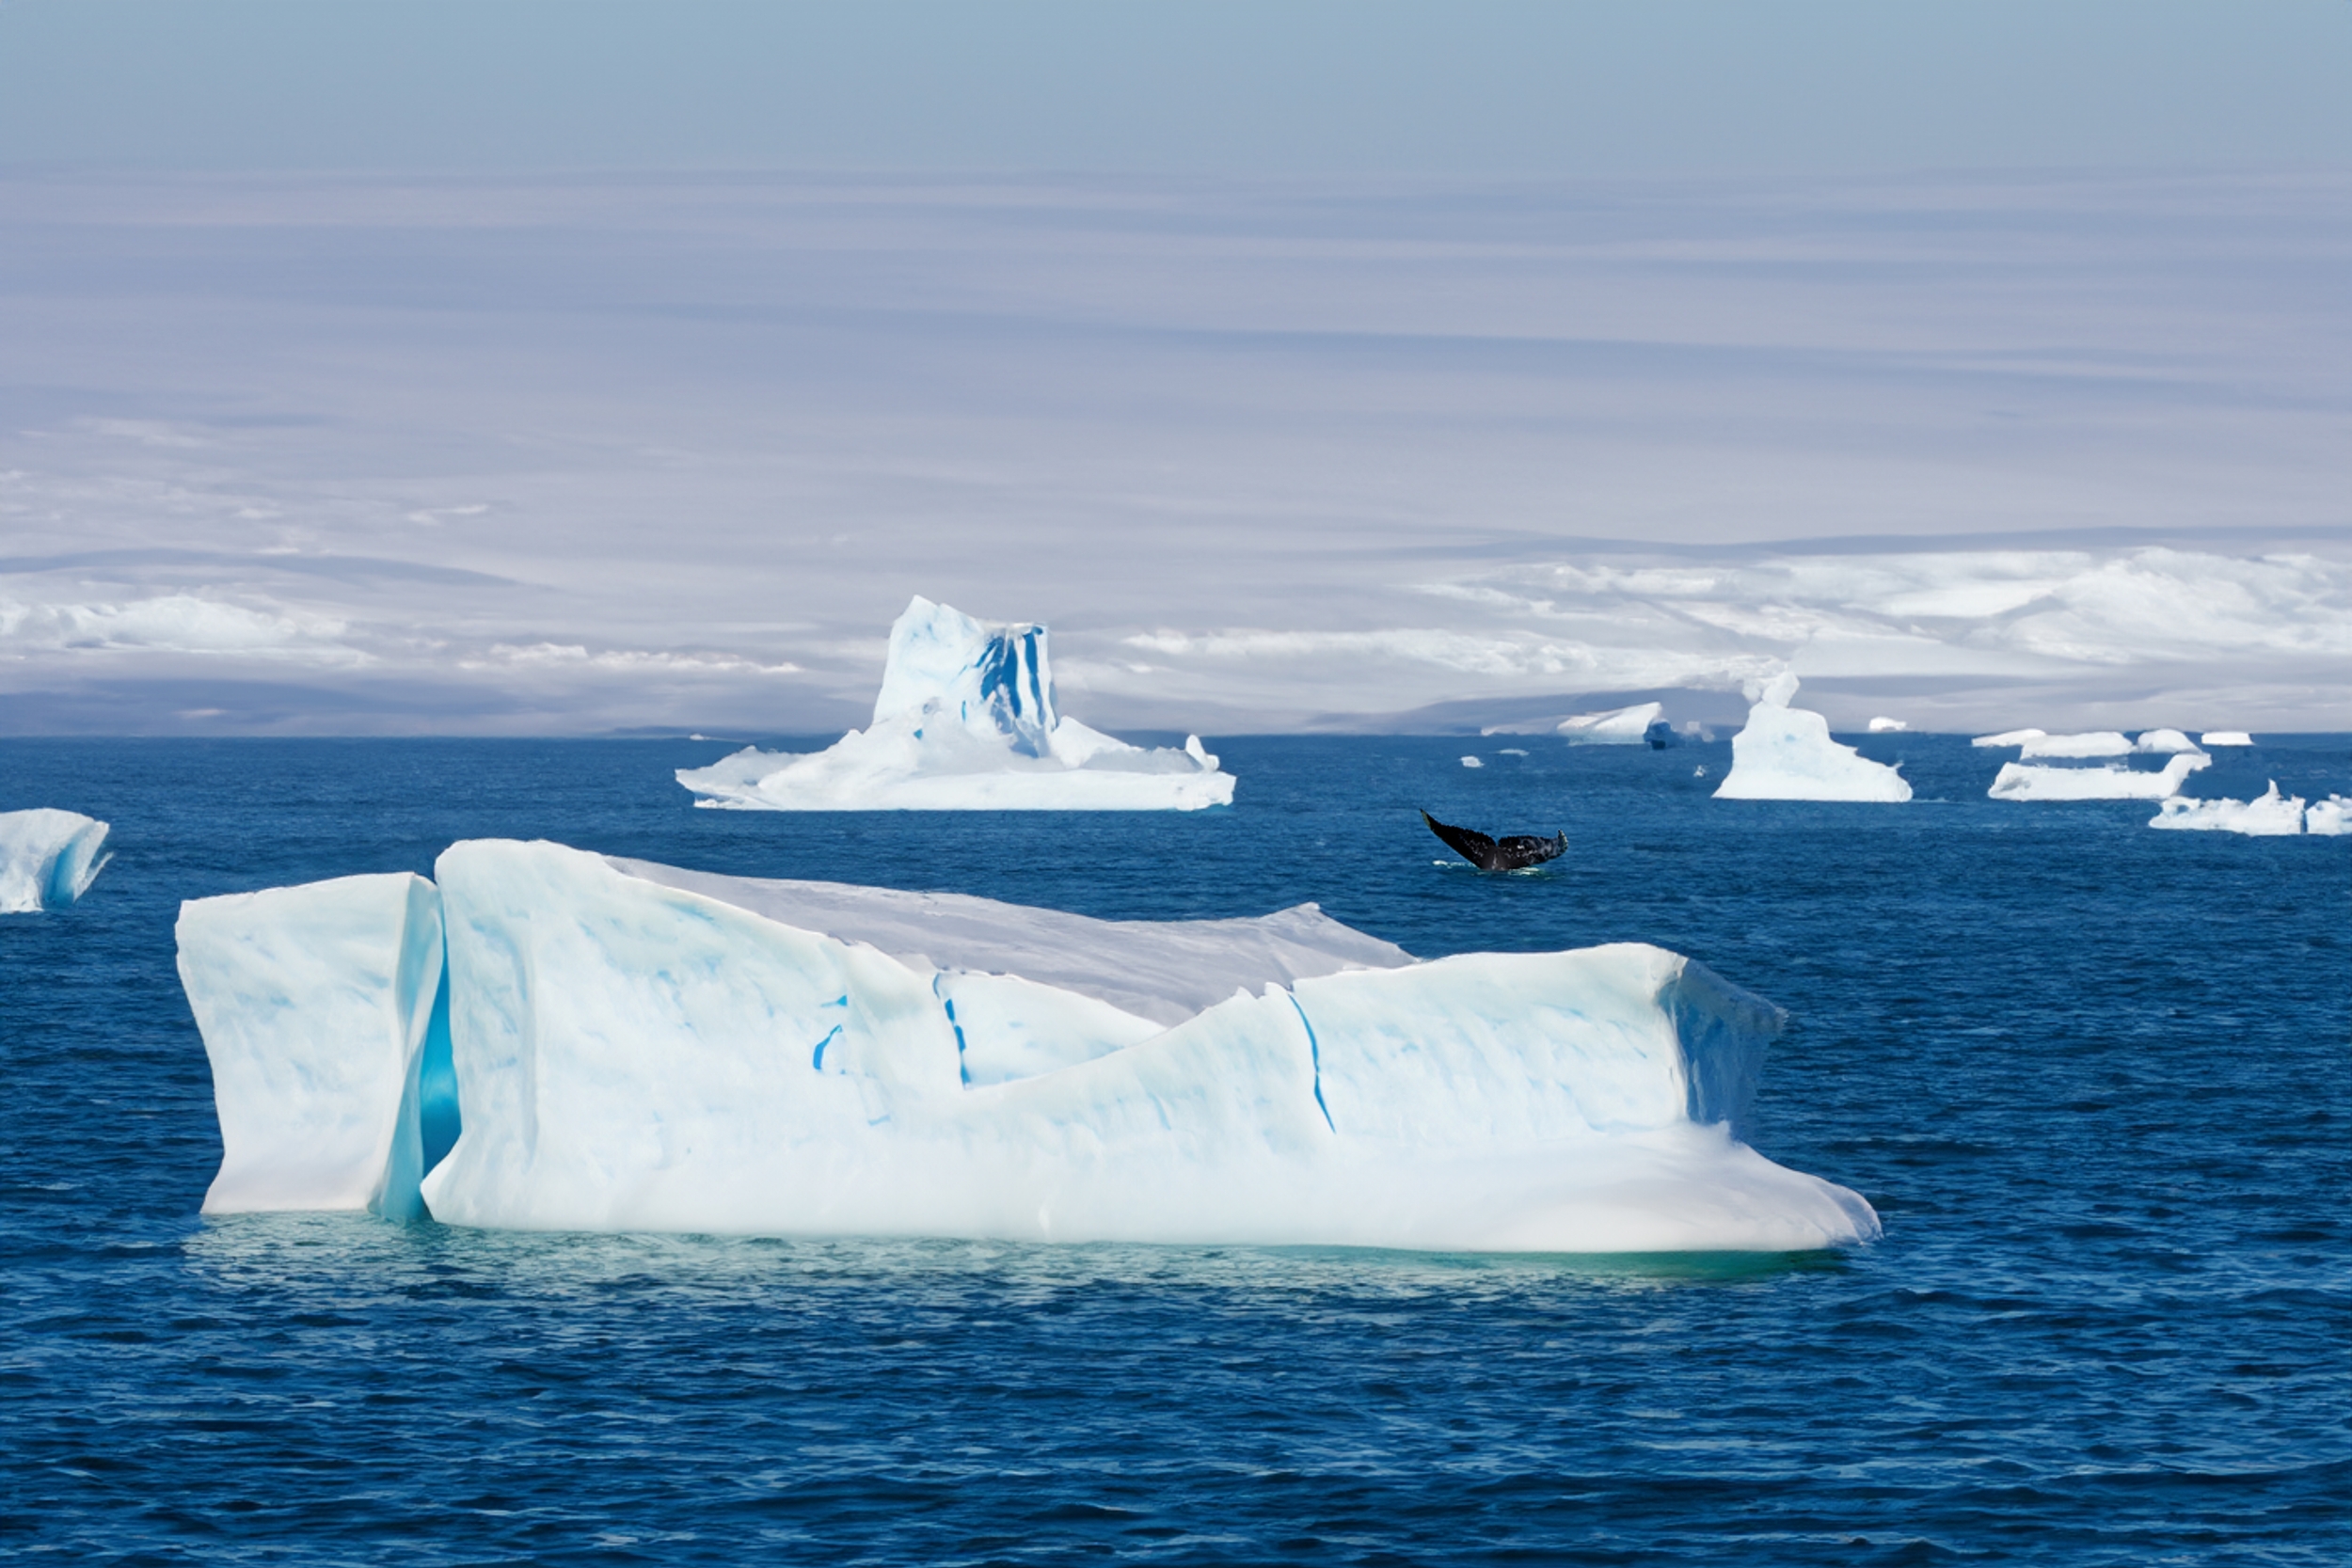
(1785, 753)
(966, 720)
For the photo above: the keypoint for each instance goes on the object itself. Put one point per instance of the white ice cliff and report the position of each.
(637, 1047)
(2266, 817)
(1785, 753)
(48, 858)
(966, 720)
(314, 1003)
(2026, 781)
(1617, 726)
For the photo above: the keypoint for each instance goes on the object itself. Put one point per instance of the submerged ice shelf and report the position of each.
(626, 1046)
(966, 720)
(48, 858)
(1785, 753)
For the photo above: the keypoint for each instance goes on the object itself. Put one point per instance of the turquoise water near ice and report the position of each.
(2097, 1080)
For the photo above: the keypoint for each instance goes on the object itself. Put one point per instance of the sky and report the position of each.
(570, 369)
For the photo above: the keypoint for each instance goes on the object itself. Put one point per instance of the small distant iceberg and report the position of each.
(1785, 753)
(48, 858)
(2270, 815)
(966, 720)
(1472, 762)
(2227, 738)
(1617, 726)
(1889, 726)
(2163, 742)
(610, 1045)
(2009, 737)
(2331, 817)
(2024, 780)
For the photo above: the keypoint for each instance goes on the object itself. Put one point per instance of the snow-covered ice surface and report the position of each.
(1785, 753)
(2331, 817)
(1617, 726)
(48, 858)
(2024, 780)
(640, 1048)
(2267, 815)
(966, 720)
(2227, 738)
(315, 1002)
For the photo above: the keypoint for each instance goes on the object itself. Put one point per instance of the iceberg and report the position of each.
(2097, 743)
(2009, 737)
(637, 1047)
(2021, 781)
(315, 1003)
(2266, 817)
(1617, 726)
(1889, 726)
(2163, 742)
(966, 720)
(48, 858)
(1785, 753)
(2226, 737)
(2329, 817)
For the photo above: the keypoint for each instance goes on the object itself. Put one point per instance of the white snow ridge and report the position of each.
(966, 720)
(638, 1048)
(1785, 753)
(48, 858)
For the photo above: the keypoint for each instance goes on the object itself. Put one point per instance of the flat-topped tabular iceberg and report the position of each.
(966, 720)
(2009, 737)
(1785, 753)
(2226, 737)
(637, 1047)
(48, 858)
(1617, 726)
(2024, 780)
(2094, 743)
(2267, 815)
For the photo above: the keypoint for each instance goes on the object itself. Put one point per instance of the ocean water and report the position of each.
(2096, 1079)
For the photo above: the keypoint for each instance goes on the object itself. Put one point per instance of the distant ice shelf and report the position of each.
(622, 1046)
(48, 858)
(1785, 753)
(966, 720)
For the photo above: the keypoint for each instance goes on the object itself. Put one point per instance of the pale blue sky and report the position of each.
(1311, 87)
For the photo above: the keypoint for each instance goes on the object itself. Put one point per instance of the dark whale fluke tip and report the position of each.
(1515, 853)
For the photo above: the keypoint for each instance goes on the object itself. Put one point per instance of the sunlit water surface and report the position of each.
(2093, 1076)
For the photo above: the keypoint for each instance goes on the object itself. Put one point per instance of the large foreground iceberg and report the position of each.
(637, 1047)
(48, 858)
(966, 720)
(1785, 753)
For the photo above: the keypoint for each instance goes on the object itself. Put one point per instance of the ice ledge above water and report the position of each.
(643, 1048)
(966, 719)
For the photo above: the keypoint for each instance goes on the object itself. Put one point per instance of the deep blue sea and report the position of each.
(2097, 1080)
